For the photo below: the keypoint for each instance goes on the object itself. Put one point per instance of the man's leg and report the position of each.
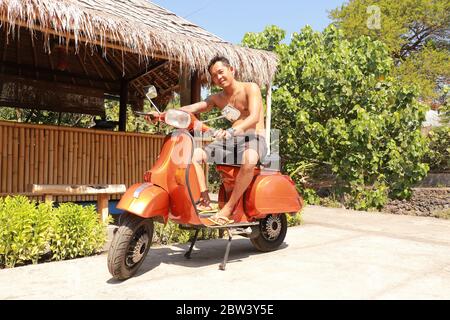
(197, 160)
(244, 178)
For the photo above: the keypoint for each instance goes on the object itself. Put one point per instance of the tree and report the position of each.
(45, 117)
(416, 32)
(340, 111)
(134, 123)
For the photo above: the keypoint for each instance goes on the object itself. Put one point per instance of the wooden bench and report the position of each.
(101, 191)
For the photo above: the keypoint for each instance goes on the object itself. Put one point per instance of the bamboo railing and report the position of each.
(39, 154)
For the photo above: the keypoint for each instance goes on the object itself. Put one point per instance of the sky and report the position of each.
(231, 19)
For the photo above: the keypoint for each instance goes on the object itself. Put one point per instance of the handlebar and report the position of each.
(138, 113)
(194, 122)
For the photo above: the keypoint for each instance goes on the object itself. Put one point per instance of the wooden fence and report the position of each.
(38, 154)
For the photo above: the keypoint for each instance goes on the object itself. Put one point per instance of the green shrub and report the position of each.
(170, 233)
(24, 230)
(310, 196)
(294, 220)
(76, 232)
(438, 156)
(29, 231)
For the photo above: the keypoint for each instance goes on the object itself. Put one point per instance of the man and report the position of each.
(244, 140)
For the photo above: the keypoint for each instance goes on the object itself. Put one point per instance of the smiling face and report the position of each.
(221, 74)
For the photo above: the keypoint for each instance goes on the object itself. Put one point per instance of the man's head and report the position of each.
(221, 71)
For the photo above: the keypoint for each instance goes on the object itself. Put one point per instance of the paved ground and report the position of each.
(336, 254)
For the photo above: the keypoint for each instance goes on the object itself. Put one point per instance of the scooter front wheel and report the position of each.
(272, 231)
(129, 246)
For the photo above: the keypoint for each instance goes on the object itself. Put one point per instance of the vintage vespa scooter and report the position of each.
(170, 191)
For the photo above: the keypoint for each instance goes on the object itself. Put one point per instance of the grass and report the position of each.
(442, 214)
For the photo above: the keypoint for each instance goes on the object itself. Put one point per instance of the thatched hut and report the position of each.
(108, 47)
(69, 55)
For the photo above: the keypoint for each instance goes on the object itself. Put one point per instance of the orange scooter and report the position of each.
(170, 191)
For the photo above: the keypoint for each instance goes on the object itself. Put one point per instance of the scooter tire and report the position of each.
(125, 236)
(278, 225)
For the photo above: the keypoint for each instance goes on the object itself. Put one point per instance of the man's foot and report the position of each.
(223, 216)
(204, 204)
(221, 221)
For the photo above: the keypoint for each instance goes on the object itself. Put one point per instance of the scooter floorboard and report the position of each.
(210, 225)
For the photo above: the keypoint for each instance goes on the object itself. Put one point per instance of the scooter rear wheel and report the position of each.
(129, 246)
(272, 231)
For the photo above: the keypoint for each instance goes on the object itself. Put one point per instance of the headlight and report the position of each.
(178, 119)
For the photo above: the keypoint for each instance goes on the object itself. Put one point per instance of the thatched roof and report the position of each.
(136, 26)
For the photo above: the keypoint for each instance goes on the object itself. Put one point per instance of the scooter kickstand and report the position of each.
(187, 255)
(227, 251)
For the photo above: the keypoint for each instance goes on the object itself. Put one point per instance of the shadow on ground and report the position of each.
(205, 253)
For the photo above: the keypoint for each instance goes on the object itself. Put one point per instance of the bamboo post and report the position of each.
(69, 159)
(126, 163)
(10, 160)
(51, 149)
(46, 145)
(84, 154)
(113, 172)
(122, 159)
(96, 156)
(76, 157)
(60, 156)
(133, 160)
(40, 145)
(100, 157)
(55, 156)
(22, 160)
(15, 166)
(268, 116)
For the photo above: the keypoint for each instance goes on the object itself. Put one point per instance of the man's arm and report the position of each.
(199, 107)
(254, 107)
(202, 106)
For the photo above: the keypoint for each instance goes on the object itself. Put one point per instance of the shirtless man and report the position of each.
(245, 139)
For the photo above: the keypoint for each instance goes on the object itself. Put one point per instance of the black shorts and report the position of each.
(231, 151)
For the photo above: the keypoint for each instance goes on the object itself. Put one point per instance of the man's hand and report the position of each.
(222, 134)
(152, 118)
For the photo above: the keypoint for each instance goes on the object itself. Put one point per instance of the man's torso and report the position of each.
(240, 100)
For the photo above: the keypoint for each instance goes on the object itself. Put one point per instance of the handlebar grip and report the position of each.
(138, 113)
(143, 114)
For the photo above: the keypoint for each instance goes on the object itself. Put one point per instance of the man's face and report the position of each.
(221, 74)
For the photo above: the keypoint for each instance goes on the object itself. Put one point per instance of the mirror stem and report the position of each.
(154, 105)
(209, 120)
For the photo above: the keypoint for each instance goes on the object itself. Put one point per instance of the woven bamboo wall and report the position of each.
(37, 154)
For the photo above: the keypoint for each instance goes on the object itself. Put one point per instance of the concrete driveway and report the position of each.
(336, 254)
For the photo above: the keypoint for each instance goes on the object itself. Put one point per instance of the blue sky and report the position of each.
(231, 19)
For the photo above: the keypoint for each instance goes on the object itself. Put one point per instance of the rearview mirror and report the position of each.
(178, 119)
(150, 92)
(231, 113)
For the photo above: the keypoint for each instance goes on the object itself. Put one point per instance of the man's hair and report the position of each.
(216, 59)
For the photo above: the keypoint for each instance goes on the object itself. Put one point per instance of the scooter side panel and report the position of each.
(271, 194)
(145, 200)
(181, 209)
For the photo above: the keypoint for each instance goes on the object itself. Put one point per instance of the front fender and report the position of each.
(146, 200)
